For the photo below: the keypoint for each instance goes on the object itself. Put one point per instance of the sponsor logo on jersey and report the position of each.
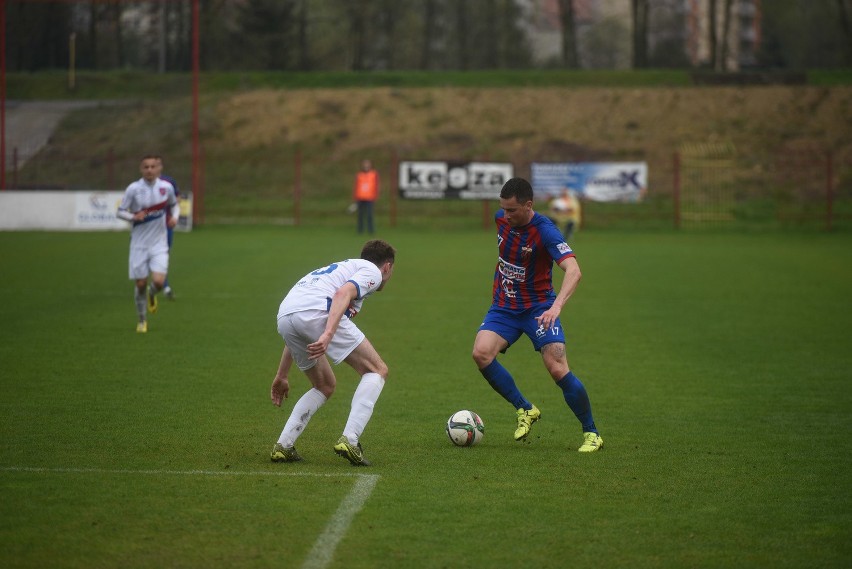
(508, 287)
(511, 271)
(564, 248)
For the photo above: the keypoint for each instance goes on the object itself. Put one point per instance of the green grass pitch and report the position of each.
(718, 366)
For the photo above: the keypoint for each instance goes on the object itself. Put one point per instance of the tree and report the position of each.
(639, 9)
(605, 45)
(490, 21)
(802, 34)
(37, 36)
(267, 27)
(711, 32)
(429, 14)
(569, 34)
(514, 50)
(223, 43)
(389, 19)
(726, 29)
(666, 42)
(302, 36)
(357, 11)
(462, 34)
(846, 27)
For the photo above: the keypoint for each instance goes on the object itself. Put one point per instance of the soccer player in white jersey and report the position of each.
(315, 321)
(145, 203)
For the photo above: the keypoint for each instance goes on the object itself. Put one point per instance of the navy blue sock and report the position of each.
(502, 382)
(578, 400)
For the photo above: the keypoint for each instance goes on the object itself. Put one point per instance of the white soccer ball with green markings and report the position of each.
(465, 428)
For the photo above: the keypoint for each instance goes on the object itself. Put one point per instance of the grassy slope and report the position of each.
(253, 124)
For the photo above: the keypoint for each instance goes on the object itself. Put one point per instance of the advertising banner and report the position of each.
(96, 210)
(72, 211)
(594, 181)
(452, 180)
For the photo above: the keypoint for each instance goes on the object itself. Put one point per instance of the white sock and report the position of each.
(303, 410)
(141, 303)
(363, 401)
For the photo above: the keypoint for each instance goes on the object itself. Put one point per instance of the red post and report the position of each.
(3, 95)
(297, 188)
(829, 193)
(197, 184)
(676, 190)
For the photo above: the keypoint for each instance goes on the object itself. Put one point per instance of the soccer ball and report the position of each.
(465, 428)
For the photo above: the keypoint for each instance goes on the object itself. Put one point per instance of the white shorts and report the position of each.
(143, 262)
(302, 328)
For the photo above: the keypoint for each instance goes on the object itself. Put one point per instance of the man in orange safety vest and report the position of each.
(365, 194)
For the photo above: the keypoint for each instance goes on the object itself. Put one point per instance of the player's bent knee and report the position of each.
(382, 370)
(482, 358)
(326, 389)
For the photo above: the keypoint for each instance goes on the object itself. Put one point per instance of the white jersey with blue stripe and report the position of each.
(315, 290)
(157, 200)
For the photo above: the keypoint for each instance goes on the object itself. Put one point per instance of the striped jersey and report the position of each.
(523, 277)
(315, 290)
(158, 200)
(173, 182)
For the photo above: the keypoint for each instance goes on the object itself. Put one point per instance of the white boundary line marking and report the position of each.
(175, 472)
(325, 545)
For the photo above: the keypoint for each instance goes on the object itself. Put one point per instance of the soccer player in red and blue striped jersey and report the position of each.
(170, 231)
(524, 302)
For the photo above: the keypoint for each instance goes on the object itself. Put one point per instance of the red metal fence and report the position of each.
(719, 188)
(700, 187)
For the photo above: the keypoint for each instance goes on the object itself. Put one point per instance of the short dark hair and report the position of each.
(378, 252)
(517, 188)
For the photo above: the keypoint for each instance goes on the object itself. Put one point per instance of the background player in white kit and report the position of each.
(145, 203)
(315, 321)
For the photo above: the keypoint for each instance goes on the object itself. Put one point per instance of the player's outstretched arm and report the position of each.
(280, 389)
(569, 285)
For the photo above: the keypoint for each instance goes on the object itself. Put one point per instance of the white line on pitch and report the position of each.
(322, 552)
(175, 472)
(324, 547)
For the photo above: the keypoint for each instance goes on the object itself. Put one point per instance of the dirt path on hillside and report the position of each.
(30, 124)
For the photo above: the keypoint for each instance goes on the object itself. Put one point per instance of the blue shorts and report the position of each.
(510, 324)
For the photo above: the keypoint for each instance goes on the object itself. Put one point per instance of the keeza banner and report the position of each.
(595, 181)
(453, 180)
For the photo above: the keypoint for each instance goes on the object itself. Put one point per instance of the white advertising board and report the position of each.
(595, 181)
(71, 211)
(452, 180)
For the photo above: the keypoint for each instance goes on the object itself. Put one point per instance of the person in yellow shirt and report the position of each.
(365, 194)
(565, 211)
